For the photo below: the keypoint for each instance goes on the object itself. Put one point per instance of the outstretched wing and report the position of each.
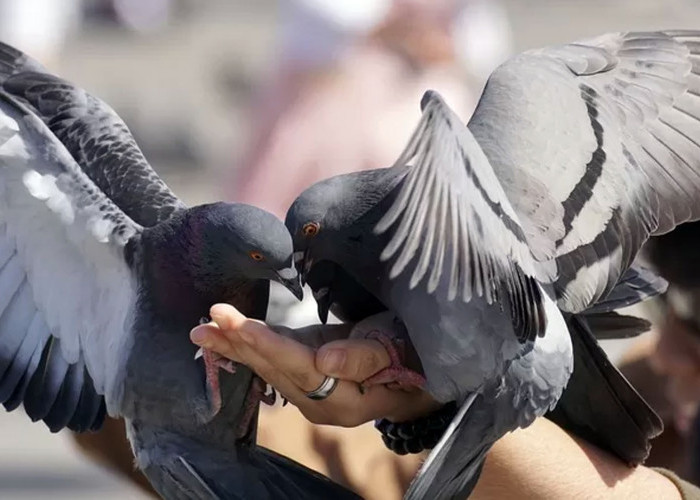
(597, 145)
(94, 135)
(66, 290)
(452, 223)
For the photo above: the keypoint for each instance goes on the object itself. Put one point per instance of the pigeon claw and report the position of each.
(211, 370)
(226, 365)
(400, 376)
(396, 373)
(256, 394)
(213, 362)
(269, 398)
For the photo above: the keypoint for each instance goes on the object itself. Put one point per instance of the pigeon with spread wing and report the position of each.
(103, 273)
(506, 245)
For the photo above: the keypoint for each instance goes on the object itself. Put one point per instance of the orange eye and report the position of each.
(310, 229)
(256, 256)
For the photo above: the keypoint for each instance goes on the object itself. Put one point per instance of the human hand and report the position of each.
(294, 369)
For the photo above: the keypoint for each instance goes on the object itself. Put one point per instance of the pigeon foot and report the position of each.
(212, 364)
(257, 394)
(396, 373)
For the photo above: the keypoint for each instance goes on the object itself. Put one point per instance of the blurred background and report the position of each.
(253, 100)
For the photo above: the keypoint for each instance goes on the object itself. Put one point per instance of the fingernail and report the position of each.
(333, 360)
(219, 320)
(222, 314)
(198, 334)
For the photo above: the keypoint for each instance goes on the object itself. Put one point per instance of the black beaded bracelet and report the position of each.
(416, 435)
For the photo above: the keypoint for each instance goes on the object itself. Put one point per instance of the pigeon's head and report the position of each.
(242, 241)
(335, 217)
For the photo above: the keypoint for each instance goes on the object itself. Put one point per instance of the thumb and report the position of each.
(354, 360)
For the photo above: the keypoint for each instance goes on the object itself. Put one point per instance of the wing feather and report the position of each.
(451, 222)
(66, 291)
(93, 134)
(46, 382)
(66, 401)
(16, 366)
(605, 133)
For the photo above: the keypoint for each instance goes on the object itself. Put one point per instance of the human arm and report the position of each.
(544, 462)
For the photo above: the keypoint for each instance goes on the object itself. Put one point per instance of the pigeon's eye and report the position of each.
(257, 256)
(310, 229)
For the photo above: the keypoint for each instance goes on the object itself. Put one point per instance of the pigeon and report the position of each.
(502, 244)
(103, 273)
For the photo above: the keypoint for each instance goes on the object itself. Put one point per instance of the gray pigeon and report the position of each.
(103, 273)
(492, 242)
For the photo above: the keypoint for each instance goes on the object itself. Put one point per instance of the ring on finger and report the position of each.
(324, 390)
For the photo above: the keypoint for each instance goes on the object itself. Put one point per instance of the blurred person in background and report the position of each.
(39, 27)
(344, 92)
(673, 356)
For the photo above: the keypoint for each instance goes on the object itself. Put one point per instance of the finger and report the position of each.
(355, 360)
(235, 325)
(315, 335)
(285, 355)
(290, 367)
(210, 337)
(296, 360)
(347, 407)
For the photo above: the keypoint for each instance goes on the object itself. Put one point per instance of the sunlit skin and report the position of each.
(294, 368)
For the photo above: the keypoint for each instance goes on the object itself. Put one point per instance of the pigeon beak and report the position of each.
(303, 263)
(324, 301)
(289, 277)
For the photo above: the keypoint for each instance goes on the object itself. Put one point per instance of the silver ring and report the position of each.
(324, 390)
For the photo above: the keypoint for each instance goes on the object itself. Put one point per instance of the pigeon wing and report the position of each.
(94, 135)
(597, 146)
(451, 221)
(67, 292)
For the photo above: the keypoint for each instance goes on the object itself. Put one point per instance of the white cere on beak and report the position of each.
(298, 256)
(288, 273)
(320, 293)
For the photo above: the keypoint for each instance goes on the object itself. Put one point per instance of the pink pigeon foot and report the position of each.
(257, 394)
(212, 364)
(396, 373)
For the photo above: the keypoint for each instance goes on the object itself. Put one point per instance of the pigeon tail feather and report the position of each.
(613, 417)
